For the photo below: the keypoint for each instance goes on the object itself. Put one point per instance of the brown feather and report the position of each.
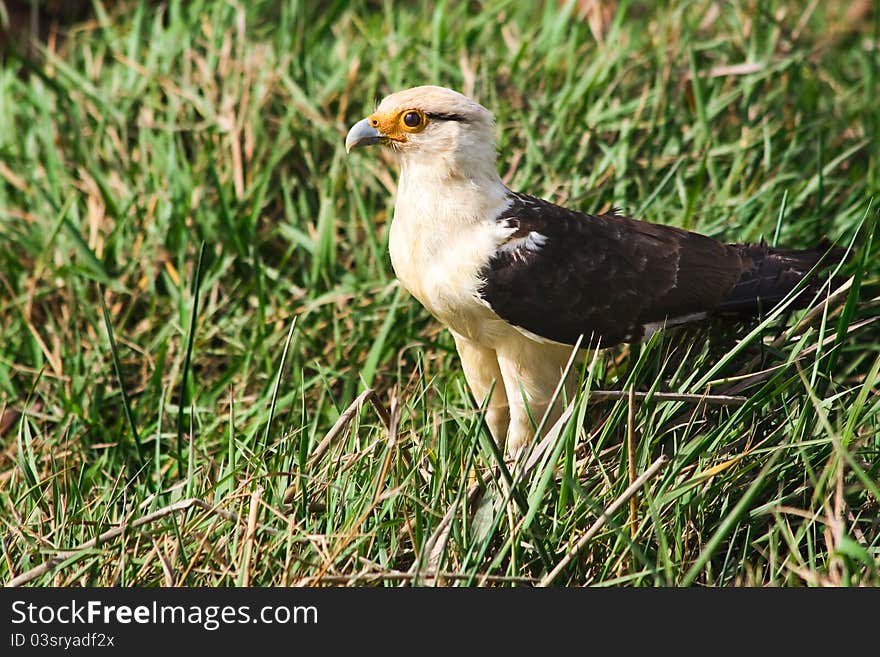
(605, 277)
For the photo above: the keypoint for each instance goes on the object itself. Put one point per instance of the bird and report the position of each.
(522, 283)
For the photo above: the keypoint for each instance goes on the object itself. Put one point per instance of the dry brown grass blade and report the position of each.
(167, 571)
(346, 417)
(631, 457)
(406, 577)
(834, 304)
(436, 543)
(545, 443)
(336, 430)
(614, 395)
(8, 418)
(116, 532)
(378, 497)
(389, 453)
(194, 558)
(631, 490)
(745, 379)
(251, 536)
(711, 400)
(50, 356)
(435, 546)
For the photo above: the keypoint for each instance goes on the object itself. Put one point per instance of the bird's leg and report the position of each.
(480, 365)
(531, 373)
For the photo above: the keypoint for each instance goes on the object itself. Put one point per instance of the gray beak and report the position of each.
(361, 134)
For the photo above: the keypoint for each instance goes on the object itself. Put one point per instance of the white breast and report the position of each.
(439, 243)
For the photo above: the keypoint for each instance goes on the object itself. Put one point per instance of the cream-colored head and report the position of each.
(431, 127)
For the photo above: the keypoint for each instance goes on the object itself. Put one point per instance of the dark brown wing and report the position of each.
(606, 277)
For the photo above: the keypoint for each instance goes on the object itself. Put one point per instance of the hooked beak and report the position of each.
(361, 134)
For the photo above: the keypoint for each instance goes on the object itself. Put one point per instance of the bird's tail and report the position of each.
(770, 274)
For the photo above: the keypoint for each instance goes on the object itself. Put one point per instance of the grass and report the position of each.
(195, 296)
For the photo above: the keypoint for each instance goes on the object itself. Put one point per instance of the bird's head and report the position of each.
(431, 126)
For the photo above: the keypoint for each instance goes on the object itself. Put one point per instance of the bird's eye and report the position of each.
(412, 119)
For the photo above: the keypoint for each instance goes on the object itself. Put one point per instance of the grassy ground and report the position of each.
(195, 295)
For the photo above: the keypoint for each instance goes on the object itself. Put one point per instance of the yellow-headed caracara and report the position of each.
(518, 279)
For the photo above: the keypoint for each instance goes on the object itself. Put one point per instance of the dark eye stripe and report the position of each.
(442, 116)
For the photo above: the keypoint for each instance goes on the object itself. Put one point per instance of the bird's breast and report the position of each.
(441, 268)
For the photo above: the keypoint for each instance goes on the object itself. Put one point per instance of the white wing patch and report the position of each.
(652, 327)
(534, 241)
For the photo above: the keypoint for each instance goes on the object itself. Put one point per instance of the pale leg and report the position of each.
(480, 365)
(531, 373)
